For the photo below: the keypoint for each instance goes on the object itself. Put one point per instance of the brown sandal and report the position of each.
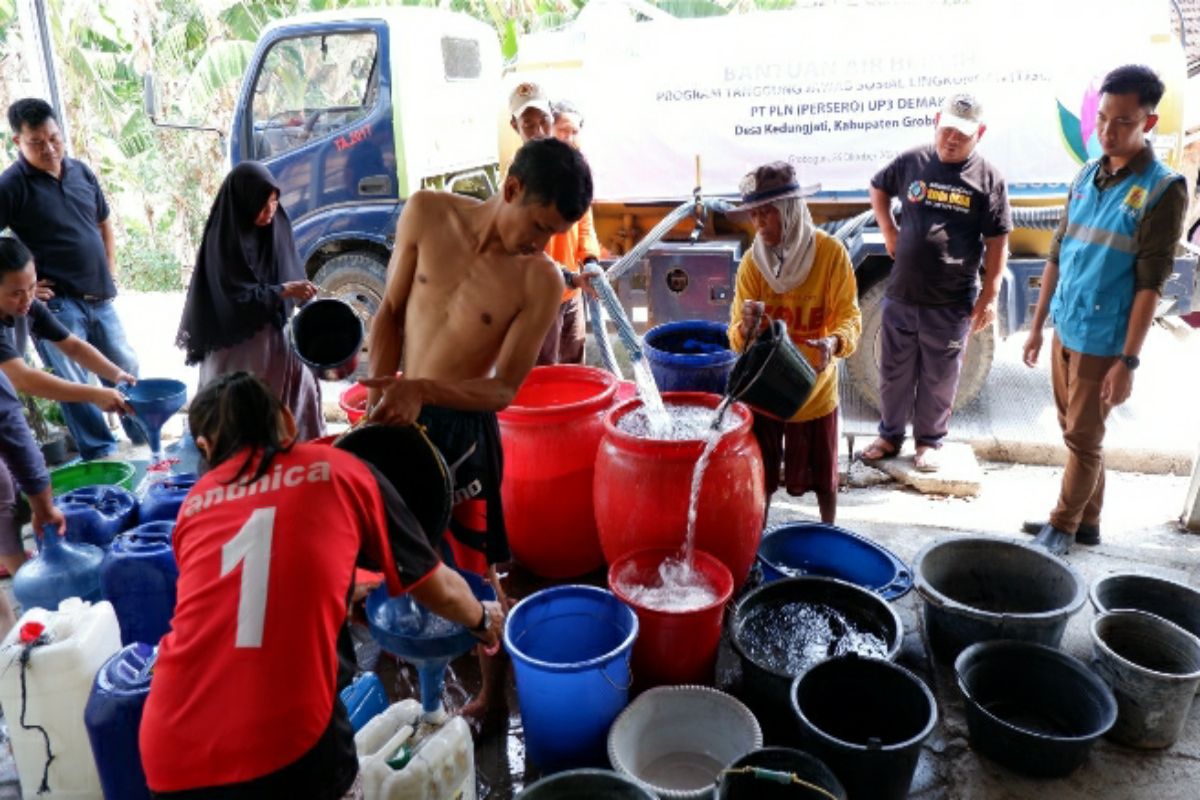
(878, 450)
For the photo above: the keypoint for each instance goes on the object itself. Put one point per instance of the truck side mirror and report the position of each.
(150, 97)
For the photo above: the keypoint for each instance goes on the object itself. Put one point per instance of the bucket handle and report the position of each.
(628, 670)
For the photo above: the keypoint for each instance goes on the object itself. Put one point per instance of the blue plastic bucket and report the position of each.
(691, 355)
(814, 548)
(570, 647)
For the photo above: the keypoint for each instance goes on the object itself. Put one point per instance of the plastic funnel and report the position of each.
(154, 401)
(405, 628)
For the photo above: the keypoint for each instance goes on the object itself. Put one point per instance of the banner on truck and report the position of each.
(841, 91)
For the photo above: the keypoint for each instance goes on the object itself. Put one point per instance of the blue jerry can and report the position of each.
(95, 514)
(164, 498)
(363, 699)
(138, 577)
(113, 716)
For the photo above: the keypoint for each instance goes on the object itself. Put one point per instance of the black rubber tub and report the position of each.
(1131, 591)
(766, 680)
(1032, 708)
(978, 588)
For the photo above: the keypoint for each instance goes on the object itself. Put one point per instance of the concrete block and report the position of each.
(959, 476)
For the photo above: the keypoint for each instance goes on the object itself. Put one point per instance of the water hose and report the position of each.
(612, 306)
(1042, 218)
(595, 314)
(638, 251)
(775, 776)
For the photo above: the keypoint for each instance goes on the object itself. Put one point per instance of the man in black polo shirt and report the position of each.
(54, 204)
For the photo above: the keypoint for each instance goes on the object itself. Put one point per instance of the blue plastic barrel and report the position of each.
(814, 548)
(96, 514)
(61, 569)
(164, 498)
(138, 577)
(113, 715)
(691, 355)
(364, 698)
(570, 647)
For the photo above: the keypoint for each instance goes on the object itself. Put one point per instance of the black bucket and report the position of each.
(979, 588)
(1032, 708)
(778, 773)
(866, 719)
(411, 463)
(596, 784)
(773, 376)
(1173, 601)
(766, 687)
(327, 335)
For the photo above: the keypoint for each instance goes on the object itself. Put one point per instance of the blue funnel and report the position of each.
(406, 629)
(154, 401)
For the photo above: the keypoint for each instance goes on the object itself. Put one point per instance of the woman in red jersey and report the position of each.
(243, 703)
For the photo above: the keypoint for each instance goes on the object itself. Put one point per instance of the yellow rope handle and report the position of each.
(770, 774)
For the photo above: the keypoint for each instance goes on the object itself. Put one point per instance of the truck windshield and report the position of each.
(310, 86)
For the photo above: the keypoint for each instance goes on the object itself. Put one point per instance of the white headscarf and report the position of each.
(787, 265)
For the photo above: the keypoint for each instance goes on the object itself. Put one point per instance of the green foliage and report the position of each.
(161, 183)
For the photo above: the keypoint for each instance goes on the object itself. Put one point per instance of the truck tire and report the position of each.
(358, 278)
(863, 366)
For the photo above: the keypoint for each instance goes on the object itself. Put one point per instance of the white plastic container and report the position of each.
(442, 766)
(58, 680)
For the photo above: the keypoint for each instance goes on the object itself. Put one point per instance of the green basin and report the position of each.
(92, 473)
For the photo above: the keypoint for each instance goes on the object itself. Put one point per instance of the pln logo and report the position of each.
(1079, 130)
(916, 191)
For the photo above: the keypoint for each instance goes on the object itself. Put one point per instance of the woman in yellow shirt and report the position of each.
(803, 276)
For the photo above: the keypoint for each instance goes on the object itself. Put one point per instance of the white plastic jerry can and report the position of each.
(71, 644)
(403, 758)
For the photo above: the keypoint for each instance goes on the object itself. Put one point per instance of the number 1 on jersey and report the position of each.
(251, 547)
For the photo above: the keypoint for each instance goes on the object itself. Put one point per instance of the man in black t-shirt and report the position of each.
(21, 315)
(954, 218)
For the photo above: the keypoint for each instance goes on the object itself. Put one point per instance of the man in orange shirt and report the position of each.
(803, 276)
(532, 117)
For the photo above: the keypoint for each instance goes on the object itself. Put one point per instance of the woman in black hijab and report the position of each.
(248, 275)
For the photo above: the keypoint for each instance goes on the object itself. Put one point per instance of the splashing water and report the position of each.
(686, 422)
(794, 636)
(656, 412)
(675, 587)
(713, 439)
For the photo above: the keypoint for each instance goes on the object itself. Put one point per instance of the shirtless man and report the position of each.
(469, 298)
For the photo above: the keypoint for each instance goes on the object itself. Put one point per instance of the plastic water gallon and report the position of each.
(60, 570)
(138, 576)
(78, 638)
(402, 758)
(113, 716)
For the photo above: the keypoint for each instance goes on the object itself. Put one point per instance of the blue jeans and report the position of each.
(97, 324)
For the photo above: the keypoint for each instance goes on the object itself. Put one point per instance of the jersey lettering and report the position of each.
(251, 547)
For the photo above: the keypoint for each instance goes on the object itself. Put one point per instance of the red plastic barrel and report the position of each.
(673, 646)
(642, 487)
(550, 434)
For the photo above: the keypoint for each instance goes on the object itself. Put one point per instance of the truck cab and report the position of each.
(353, 112)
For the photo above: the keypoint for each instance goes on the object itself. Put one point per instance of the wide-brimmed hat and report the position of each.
(768, 183)
(963, 113)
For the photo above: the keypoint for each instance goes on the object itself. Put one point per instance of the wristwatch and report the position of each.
(1131, 362)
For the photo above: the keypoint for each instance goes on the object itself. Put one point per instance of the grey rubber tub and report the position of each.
(979, 588)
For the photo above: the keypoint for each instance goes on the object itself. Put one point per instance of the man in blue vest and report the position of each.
(1112, 254)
